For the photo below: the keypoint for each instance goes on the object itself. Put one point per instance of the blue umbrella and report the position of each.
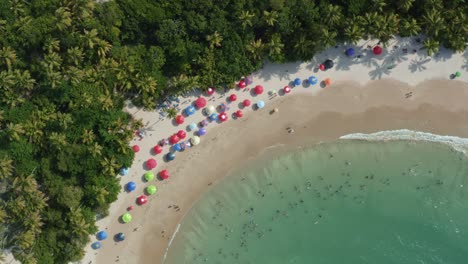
(202, 131)
(297, 81)
(213, 117)
(349, 52)
(131, 186)
(190, 110)
(120, 237)
(96, 245)
(260, 104)
(170, 156)
(313, 80)
(101, 235)
(177, 147)
(124, 171)
(192, 126)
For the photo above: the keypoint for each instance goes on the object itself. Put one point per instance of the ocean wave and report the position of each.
(457, 143)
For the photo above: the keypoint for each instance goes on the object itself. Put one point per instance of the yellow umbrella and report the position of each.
(195, 140)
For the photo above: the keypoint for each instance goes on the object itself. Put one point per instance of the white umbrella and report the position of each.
(195, 140)
(210, 110)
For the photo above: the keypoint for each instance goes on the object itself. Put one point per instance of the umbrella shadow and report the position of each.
(379, 71)
(418, 64)
(465, 62)
(443, 55)
(305, 84)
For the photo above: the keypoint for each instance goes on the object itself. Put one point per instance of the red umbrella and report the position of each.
(322, 67)
(242, 84)
(258, 89)
(200, 102)
(181, 134)
(174, 139)
(151, 163)
(287, 89)
(377, 50)
(239, 113)
(157, 149)
(210, 91)
(179, 119)
(164, 174)
(246, 103)
(232, 97)
(136, 148)
(223, 117)
(141, 200)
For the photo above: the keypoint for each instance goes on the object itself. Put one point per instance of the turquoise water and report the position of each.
(348, 202)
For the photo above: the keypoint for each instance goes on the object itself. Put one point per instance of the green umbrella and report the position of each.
(458, 74)
(149, 176)
(126, 218)
(151, 189)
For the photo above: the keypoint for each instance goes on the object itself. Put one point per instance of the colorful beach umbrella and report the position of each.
(202, 131)
(322, 67)
(297, 81)
(124, 171)
(179, 119)
(151, 189)
(195, 140)
(170, 156)
(157, 149)
(246, 102)
(131, 186)
(120, 237)
(287, 89)
(127, 218)
(190, 110)
(136, 148)
(151, 163)
(458, 74)
(377, 50)
(181, 134)
(174, 139)
(260, 104)
(210, 91)
(232, 97)
(313, 80)
(328, 64)
(239, 114)
(101, 235)
(328, 82)
(258, 89)
(149, 176)
(200, 102)
(177, 147)
(223, 117)
(192, 126)
(242, 84)
(141, 200)
(210, 110)
(164, 174)
(349, 52)
(204, 123)
(96, 245)
(213, 117)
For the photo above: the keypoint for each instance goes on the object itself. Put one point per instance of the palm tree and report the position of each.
(304, 47)
(51, 45)
(75, 55)
(270, 17)
(6, 168)
(256, 49)
(328, 38)
(25, 240)
(57, 140)
(78, 224)
(353, 33)
(410, 27)
(90, 37)
(457, 43)
(433, 22)
(378, 5)
(23, 80)
(246, 18)
(432, 46)
(17, 7)
(109, 166)
(34, 130)
(275, 48)
(63, 18)
(334, 15)
(95, 150)
(7, 56)
(171, 112)
(215, 39)
(106, 101)
(14, 131)
(33, 221)
(103, 48)
(405, 5)
(87, 136)
(74, 75)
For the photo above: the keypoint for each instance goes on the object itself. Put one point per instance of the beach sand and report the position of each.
(437, 106)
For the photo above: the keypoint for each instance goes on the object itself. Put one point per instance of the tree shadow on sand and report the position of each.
(395, 56)
(418, 64)
(465, 62)
(379, 71)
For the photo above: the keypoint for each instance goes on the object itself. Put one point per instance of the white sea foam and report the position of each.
(458, 143)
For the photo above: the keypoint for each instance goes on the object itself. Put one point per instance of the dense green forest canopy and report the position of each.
(66, 68)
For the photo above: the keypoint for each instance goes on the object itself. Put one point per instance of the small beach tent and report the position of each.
(287, 89)
(223, 117)
(204, 123)
(151, 189)
(136, 148)
(174, 139)
(249, 79)
(190, 110)
(328, 64)
(213, 117)
(131, 186)
(164, 174)
(313, 80)
(328, 82)
(246, 102)
(458, 74)
(96, 245)
(349, 52)
(195, 140)
(151, 163)
(242, 84)
(149, 176)
(210, 91)
(239, 114)
(297, 81)
(127, 218)
(232, 97)
(170, 156)
(260, 104)
(157, 149)
(210, 110)
(124, 171)
(177, 147)
(377, 50)
(258, 89)
(163, 142)
(120, 237)
(202, 131)
(200, 102)
(192, 126)
(141, 200)
(179, 119)
(322, 67)
(223, 107)
(101, 235)
(181, 134)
